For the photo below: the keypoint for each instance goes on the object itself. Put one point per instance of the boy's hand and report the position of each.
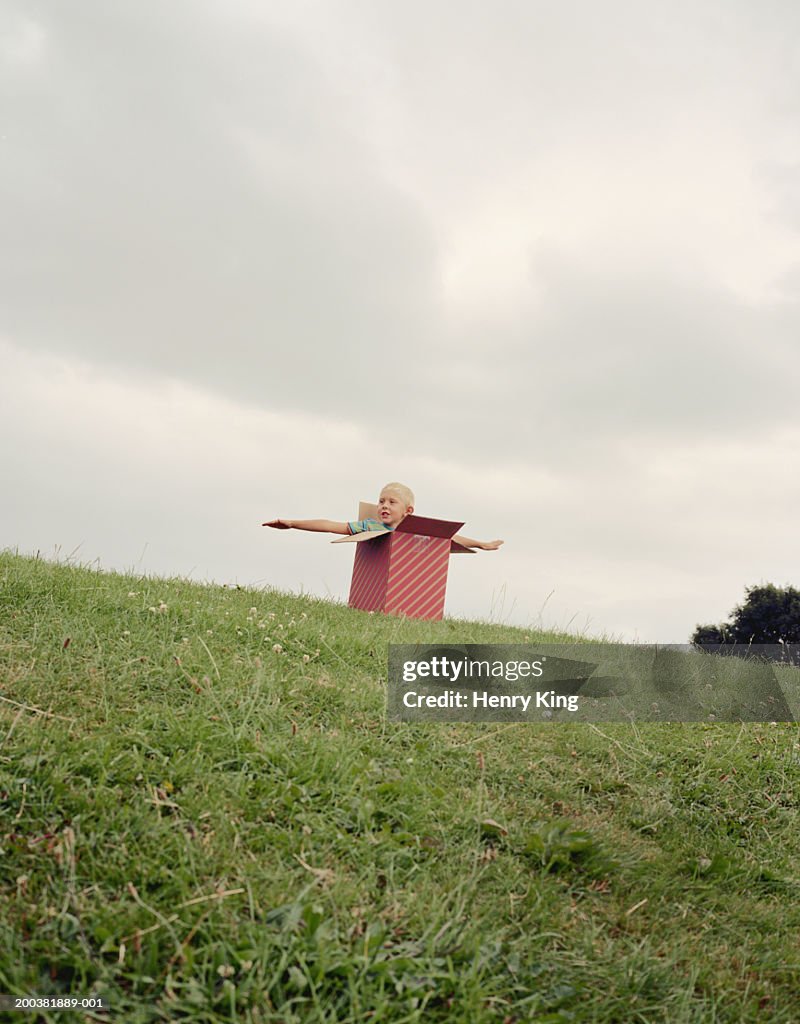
(279, 524)
(491, 545)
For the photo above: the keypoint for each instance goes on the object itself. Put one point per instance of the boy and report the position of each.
(396, 501)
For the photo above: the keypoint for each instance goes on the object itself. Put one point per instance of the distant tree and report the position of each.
(708, 635)
(769, 615)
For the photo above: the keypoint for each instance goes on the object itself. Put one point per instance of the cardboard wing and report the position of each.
(422, 526)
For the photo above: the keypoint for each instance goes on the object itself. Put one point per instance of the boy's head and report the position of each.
(396, 501)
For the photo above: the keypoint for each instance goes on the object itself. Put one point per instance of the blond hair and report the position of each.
(405, 492)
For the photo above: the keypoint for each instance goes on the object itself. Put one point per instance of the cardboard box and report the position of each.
(402, 571)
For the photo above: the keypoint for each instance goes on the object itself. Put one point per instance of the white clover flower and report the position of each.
(277, 648)
(306, 658)
(254, 611)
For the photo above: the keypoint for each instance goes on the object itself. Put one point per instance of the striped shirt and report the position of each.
(365, 525)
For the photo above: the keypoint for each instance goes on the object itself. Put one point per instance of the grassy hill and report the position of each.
(205, 816)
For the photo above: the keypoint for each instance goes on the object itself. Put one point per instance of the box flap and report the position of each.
(428, 527)
(422, 525)
(366, 535)
(459, 549)
(415, 524)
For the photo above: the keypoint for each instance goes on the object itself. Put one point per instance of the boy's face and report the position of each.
(392, 510)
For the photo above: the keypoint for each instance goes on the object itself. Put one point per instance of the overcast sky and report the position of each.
(539, 261)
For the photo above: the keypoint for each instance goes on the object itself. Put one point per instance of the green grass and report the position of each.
(200, 827)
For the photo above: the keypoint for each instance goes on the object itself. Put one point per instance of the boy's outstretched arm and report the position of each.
(315, 525)
(483, 545)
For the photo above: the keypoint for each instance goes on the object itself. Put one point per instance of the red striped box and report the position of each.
(403, 571)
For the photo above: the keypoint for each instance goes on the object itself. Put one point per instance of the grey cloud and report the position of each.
(607, 356)
(188, 197)
(194, 194)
